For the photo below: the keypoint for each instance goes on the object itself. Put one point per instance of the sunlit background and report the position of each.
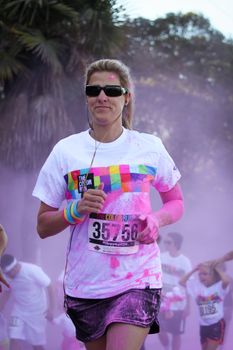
(220, 13)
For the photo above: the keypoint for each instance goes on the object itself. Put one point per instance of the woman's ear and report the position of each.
(127, 98)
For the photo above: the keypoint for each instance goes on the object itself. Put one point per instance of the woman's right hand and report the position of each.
(92, 201)
(51, 220)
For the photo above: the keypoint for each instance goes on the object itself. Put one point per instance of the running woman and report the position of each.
(113, 271)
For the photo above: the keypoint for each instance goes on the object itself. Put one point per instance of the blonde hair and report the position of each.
(206, 266)
(123, 72)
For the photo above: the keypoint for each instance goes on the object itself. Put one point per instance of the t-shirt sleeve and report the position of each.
(50, 185)
(167, 172)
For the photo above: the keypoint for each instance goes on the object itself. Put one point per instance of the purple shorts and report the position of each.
(91, 317)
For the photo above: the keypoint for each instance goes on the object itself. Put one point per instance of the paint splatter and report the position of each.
(114, 262)
(129, 275)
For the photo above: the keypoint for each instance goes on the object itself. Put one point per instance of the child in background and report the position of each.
(63, 322)
(209, 291)
(228, 301)
(174, 302)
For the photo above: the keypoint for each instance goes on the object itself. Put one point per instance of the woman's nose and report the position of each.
(102, 95)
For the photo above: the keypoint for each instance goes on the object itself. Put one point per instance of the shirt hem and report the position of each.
(85, 295)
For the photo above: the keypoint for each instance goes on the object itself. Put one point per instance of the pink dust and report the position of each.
(129, 275)
(112, 76)
(114, 262)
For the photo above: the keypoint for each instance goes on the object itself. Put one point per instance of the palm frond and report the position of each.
(28, 12)
(65, 11)
(9, 66)
(47, 50)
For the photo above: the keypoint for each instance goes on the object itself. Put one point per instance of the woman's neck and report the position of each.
(106, 134)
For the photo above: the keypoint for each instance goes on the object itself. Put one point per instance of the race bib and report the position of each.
(114, 234)
(208, 308)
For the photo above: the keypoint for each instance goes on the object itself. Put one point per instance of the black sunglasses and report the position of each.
(109, 90)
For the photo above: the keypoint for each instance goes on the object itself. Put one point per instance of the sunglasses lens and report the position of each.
(109, 90)
(93, 90)
(113, 91)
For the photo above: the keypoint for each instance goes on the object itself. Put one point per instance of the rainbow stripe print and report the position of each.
(124, 178)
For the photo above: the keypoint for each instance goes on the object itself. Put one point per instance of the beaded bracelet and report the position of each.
(71, 214)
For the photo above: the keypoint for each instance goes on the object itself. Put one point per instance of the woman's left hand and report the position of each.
(151, 231)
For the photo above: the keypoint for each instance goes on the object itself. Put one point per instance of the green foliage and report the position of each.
(9, 65)
(54, 32)
(184, 77)
(45, 43)
(183, 72)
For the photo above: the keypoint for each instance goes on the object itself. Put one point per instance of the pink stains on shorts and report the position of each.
(114, 262)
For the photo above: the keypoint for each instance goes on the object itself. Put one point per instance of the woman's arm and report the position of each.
(51, 221)
(173, 206)
(171, 211)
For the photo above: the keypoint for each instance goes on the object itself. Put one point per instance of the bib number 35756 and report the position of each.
(113, 237)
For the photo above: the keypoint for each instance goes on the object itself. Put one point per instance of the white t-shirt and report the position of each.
(209, 300)
(28, 292)
(103, 258)
(173, 268)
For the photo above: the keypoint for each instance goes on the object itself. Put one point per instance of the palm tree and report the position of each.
(45, 45)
